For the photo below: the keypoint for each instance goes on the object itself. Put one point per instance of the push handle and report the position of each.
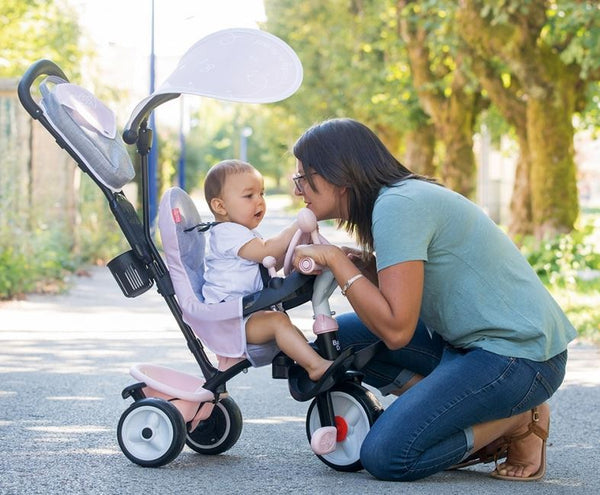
(42, 67)
(307, 265)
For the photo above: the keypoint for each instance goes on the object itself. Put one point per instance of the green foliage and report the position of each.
(97, 237)
(40, 258)
(589, 114)
(582, 307)
(354, 65)
(215, 135)
(569, 266)
(15, 275)
(561, 262)
(39, 266)
(572, 27)
(34, 29)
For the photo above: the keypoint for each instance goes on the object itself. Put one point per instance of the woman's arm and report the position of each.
(257, 249)
(390, 311)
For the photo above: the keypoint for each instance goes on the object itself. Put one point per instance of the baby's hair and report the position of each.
(215, 178)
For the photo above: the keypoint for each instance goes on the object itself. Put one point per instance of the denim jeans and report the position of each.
(429, 427)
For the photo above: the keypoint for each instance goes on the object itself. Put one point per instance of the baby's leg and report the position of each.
(265, 326)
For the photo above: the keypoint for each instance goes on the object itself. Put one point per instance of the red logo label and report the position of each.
(176, 215)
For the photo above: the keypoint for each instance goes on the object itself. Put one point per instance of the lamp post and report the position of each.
(181, 162)
(153, 156)
(245, 133)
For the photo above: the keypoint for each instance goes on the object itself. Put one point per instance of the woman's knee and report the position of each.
(381, 458)
(373, 459)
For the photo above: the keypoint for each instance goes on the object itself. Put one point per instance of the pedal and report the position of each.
(280, 366)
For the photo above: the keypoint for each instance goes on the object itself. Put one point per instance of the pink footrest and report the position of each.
(166, 383)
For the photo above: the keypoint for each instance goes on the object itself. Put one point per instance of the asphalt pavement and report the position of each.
(64, 360)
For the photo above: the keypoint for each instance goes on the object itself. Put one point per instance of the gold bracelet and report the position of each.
(349, 283)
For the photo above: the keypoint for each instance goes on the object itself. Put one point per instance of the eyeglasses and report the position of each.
(298, 181)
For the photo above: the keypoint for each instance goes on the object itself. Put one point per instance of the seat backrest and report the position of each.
(219, 326)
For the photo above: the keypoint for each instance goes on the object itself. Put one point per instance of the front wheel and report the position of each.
(356, 409)
(151, 432)
(220, 431)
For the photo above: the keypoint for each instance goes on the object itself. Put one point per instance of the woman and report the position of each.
(475, 343)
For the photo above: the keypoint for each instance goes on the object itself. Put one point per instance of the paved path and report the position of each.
(64, 361)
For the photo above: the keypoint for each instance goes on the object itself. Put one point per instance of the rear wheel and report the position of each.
(220, 431)
(356, 409)
(151, 432)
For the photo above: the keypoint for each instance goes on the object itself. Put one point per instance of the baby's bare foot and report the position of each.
(317, 372)
(525, 452)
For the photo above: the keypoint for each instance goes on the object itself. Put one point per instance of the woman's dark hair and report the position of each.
(348, 154)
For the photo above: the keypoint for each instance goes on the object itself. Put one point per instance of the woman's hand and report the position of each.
(321, 254)
(389, 305)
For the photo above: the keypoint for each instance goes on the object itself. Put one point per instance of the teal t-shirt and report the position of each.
(479, 290)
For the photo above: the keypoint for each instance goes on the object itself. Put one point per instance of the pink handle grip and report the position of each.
(307, 232)
(269, 263)
(308, 265)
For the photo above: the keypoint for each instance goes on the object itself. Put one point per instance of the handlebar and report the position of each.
(42, 67)
(307, 265)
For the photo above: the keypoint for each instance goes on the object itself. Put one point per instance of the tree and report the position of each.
(34, 29)
(377, 62)
(446, 91)
(353, 67)
(536, 59)
(215, 135)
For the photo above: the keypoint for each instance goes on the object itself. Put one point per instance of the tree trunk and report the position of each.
(509, 102)
(547, 88)
(553, 182)
(459, 169)
(452, 114)
(521, 220)
(420, 149)
(389, 137)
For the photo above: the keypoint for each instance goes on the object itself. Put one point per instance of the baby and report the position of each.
(234, 191)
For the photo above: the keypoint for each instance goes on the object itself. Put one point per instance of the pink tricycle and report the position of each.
(170, 408)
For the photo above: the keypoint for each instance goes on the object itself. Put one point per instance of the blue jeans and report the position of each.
(429, 427)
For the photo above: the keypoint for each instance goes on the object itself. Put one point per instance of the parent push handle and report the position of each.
(40, 68)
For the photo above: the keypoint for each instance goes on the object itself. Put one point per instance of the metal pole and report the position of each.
(181, 164)
(245, 133)
(153, 157)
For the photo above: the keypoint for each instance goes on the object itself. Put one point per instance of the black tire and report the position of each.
(358, 409)
(151, 432)
(220, 431)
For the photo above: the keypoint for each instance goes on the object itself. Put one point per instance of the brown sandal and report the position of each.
(493, 452)
(539, 432)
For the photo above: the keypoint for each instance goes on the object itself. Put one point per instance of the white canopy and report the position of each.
(239, 64)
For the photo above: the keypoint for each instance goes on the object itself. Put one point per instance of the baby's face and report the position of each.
(243, 199)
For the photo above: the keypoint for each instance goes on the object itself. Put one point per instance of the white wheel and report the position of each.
(151, 432)
(355, 410)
